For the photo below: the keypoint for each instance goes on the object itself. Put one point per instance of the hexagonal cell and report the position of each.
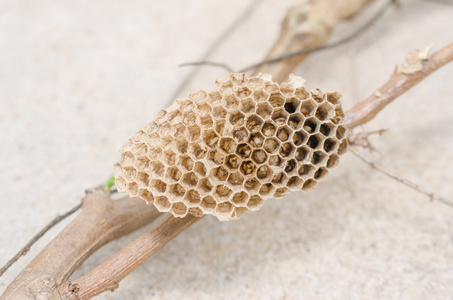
(271, 145)
(205, 185)
(192, 198)
(196, 212)
(190, 179)
(222, 193)
(204, 107)
(181, 145)
(196, 150)
(299, 138)
(178, 130)
(247, 106)
(283, 133)
(276, 100)
(254, 82)
(244, 150)
(169, 157)
(164, 129)
(309, 185)
(208, 204)
(247, 167)
(308, 107)
(216, 157)
(334, 98)
(220, 173)
(280, 192)
(120, 184)
(256, 140)
(176, 190)
(252, 184)
(142, 179)
(158, 186)
(343, 147)
(132, 188)
(291, 166)
(326, 129)
(235, 179)
(260, 95)
(129, 173)
(330, 145)
(228, 145)
(306, 170)
(324, 112)
(295, 183)
(341, 132)
(189, 118)
(240, 199)
(286, 89)
(286, 149)
(214, 98)
(243, 92)
(295, 121)
(210, 138)
(193, 133)
(145, 194)
(259, 156)
(238, 212)
(301, 93)
(301, 153)
(200, 168)
(264, 110)
(199, 96)
(206, 121)
(237, 119)
(271, 87)
(154, 153)
(275, 160)
(269, 129)
(224, 210)
(320, 173)
(230, 101)
(315, 142)
(280, 116)
(174, 117)
(219, 112)
(162, 204)
(266, 189)
(311, 125)
(264, 173)
(333, 161)
(127, 158)
(292, 105)
(186, 162)
(179, 209)
(279, 179)
(318, 95)
(318, 158)
(255, 203)
(240, 134)
(254, 123)
(156, 168)
(174, 173)
(232, 161)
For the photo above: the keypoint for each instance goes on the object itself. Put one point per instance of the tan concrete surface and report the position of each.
(77, 78)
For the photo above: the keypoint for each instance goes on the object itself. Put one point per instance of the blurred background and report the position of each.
(77, 78)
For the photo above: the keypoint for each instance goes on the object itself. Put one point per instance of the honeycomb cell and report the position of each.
(228, 145)
(269, 129)
(244, 150)
(283, 133)
(276, 100)
(190, 179)
(256, 140)
(264, 110)
(254, 123)
(225, 152)
(237, 119)
(259, 156)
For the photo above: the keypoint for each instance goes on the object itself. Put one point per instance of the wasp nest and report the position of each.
(225, 152)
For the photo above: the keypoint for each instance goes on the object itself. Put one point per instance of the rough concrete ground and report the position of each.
(78, 78)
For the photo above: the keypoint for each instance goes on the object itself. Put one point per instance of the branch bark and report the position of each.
(100, 221)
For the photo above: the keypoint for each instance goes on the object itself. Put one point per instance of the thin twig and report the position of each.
(406, 182)
(215, 45)
(43, 231)
(209, 63)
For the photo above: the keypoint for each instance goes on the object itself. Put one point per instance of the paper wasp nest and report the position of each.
(225, 152)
